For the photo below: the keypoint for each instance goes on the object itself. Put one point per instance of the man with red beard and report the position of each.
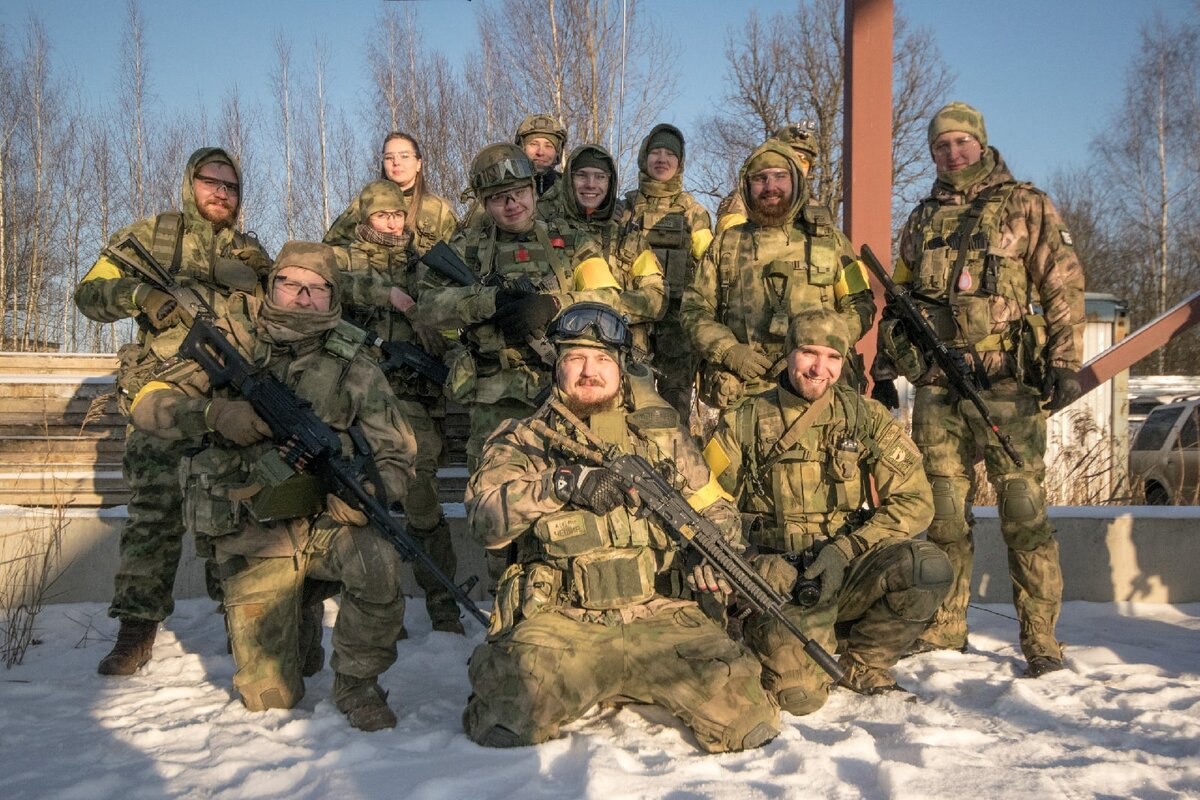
(757, 276)
(203, 248)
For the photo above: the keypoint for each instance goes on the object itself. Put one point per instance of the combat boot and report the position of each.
(1040, 665)
(363, 702)
(443, 612)
(135, 642)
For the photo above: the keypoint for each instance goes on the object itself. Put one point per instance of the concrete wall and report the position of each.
(1136, 553)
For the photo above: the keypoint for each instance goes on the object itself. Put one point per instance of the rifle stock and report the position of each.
(923, 336)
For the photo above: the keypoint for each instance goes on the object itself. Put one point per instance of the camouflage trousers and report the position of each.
(264, 598)
(549, 670)
(676, 363)
(889, 595)
(151, 541)
(949, 431)
(423, 510)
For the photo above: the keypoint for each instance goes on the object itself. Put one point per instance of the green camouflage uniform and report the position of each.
(215, 263)
(369, 270)
(664, 219)
(297, 555)
(433, 221)
(1019, 253)
(800, 485)
(643, 289)
(607, 615)
(754, 279)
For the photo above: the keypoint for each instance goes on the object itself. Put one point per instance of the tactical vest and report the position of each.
(803, 280)
(805, 491)
(959, 263)
(393, 263)
(428, 223)
(665, 230)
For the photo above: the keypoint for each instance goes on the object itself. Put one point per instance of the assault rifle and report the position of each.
(656, 496)
(305, 442)
(400, 355)
(442, 259)
(924, 338)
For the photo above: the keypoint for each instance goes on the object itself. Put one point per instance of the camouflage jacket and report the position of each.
(214, 262)
(808, 483)
(511, 498)
(754, 279)
(1017, 252)
(330, 370)
(552, 258)
(433, 222)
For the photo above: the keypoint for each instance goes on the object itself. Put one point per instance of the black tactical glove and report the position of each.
(158, 306)
(830, 567)
(525, 316)
(1060, 388)
(747, 362)
(885, 392)
(590, 487)
(508, 295)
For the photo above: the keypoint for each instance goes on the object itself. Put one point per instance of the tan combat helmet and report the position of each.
(497, 167)
(800, 136)
(542, 125)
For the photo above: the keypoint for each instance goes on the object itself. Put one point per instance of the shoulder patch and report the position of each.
(897, 452)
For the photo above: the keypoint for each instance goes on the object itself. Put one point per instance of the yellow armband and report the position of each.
(645, 265)
(593, 273)
(729, 220)
(852, 281)
(901, 274)
(103, 270)
(701, 239)
(152, 386)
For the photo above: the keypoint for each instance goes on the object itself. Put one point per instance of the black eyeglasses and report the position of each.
(609, 326)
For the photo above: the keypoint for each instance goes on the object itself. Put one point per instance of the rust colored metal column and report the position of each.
(867, 131)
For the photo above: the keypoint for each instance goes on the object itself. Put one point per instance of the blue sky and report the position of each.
(1047, 75)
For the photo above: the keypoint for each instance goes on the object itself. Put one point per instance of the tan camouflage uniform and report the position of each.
(299, 554)
(801, 482)
(664, 219)
(754, 279)
(432, 222)
(370, 269)
(1019, 254)
(216, 263)
(563, 639)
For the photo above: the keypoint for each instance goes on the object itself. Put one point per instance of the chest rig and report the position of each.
(662, 227)
(807, 468)
(961, 267)
(395, 265)
(790, 271)
(427, 226)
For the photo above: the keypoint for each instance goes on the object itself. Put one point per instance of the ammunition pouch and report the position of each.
(208, 478)
(571, 533)
(462, 377)
(906, 356)
(608, 579)
(133, 371)
(508, 593)
(282, 493)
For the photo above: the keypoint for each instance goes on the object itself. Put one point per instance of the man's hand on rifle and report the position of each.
(1060, 388)
(159, 307)
(777, 572)
(430, 339)
(703, 578)
(830, 567)
(596, 488)
(343, 513)
(530, 314)
(236, 420)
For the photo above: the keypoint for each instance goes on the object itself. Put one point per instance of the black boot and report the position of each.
(135, 642)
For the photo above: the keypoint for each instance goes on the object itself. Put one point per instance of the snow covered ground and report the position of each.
(1123, 722)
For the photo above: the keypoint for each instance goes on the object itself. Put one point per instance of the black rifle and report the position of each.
(400, 355)
(656, 496)
(923, 337)
(305, 441)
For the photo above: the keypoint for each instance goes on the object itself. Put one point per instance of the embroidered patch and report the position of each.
(522, 255)
(964, 281)
(558, 243)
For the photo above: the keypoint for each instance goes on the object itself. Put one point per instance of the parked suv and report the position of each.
(1164, 462)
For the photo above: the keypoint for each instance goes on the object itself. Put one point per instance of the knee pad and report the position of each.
(945, 504)
(760, 735)
(1021, 500)
(272, 691)
(931, 568)
(930, 579)
(499, 736)
(800, 701)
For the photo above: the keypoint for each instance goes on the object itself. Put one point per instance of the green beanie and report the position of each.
(312, 256)
(957, 116)
(381, 196)
(666, 138)
(818, 326)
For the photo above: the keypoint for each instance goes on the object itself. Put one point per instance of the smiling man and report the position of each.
(798, 459)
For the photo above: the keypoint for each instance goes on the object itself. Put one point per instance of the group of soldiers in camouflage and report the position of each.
(569, 315)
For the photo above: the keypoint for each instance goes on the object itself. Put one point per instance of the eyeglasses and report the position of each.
(315, 291)
(388, 216)
(610, 327)
(393, 158)
(510, 169)
(502, 199)
(216, 184)
(964, 142)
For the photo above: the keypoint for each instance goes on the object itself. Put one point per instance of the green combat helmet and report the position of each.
(497, 167)
(800, 136)
(543, 125)
(591, 324)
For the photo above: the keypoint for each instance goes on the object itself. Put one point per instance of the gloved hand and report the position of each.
(161, 309)
(777, 572)
(343, 513)
(885, 392)
(747, 362)
(1060, 388)
(590, 487)
(703, 578)
(508, 295)
(431, 339)
(830, 567)
(525, 316)
(236, 420)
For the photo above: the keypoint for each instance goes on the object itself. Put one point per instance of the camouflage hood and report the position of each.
(191, 214)
(649, 186)
(560, 200)
(769, 148)
(966, 183)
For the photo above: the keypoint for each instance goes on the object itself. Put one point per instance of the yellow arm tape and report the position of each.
(715, 457)
(708, 494)
(854, 280)
(645, 265)
(103, 270)
(593, 273)
(729, 220)
(152, 386)
(701, 239)
(901, 274)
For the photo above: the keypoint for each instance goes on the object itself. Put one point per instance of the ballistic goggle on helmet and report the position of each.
(498, 166)
(591, 324)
